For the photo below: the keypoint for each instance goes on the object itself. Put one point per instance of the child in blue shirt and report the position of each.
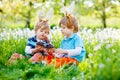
(72, 46)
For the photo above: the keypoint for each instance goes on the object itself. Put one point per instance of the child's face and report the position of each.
(42, 34)
(66, 31)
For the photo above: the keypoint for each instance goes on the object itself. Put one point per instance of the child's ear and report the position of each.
(72, 27)
(35, 32)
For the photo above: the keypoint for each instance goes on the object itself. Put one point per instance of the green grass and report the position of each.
(102, 64)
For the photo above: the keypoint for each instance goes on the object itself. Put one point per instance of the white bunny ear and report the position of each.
(63, 10)
(71, 7)
(68, 9)
(49, 14)
(42, 14)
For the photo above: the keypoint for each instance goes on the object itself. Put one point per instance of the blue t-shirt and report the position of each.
(71, 43)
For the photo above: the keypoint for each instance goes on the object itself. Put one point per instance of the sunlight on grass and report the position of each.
(101, 61)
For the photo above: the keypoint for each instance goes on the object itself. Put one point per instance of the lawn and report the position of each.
(101, 62)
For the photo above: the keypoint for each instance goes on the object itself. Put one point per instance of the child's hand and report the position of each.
(35, 50)
(46, 39)
(59, 51)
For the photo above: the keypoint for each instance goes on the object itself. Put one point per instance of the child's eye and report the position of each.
(41, 31)
(63, 27)
(46, 32)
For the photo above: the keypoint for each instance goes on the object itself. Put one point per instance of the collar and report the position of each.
(65, 38)
(34, 39)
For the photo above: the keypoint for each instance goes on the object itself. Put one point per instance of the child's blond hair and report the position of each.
(41, 25)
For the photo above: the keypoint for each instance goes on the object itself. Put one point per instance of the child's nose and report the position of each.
(61, 29)
(43, 32)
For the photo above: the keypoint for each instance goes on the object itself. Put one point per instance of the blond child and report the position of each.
(41, 35)
(35, 47)
(42, 30)
(32, 48)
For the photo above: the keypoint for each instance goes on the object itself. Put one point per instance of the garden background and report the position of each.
(99, 24)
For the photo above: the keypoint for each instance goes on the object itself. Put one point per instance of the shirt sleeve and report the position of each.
(30, 45)
(79, 42)
(28, 50)
(74, 52)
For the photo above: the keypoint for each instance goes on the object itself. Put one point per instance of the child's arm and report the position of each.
(30, 43)
(61, 51)
(74, 52)
(70, 52)
(29, 50)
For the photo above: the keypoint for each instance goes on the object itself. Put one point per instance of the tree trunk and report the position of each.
(104, 16)
(43, 1)
(28, 17)
(65, 1)
(104, 20)
(28, 20)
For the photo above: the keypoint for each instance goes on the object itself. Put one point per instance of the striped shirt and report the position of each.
(31, 44)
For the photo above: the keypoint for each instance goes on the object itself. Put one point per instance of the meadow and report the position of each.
(102, 61)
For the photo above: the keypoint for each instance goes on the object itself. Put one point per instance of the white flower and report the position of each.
(73, 78)
(97, 47)
(108, 59)
(101, 65)
(113, 51)
(83, 76)
(89, 3)
(90, 55)
(107, 9)
(109, 46)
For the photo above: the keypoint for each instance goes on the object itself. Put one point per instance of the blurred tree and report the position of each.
(57, 4)
(19, 10)
(25, 10)
(104, 9)
(27, 13)
(81, 8)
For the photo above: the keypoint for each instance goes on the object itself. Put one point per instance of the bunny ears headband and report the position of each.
(68, 11)
(43, 16)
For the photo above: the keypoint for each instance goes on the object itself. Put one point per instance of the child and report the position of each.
(72, 46)
(35, 52)
(41, 37)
